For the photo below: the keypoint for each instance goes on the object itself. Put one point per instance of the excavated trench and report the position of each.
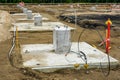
(92, 20)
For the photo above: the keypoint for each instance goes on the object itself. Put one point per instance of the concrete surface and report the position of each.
(23, 17)
(23, 14)
(46, 26)
(42, 57)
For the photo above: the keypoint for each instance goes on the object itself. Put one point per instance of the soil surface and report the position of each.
(7, 72)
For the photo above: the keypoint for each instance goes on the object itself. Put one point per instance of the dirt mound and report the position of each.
(5, 24)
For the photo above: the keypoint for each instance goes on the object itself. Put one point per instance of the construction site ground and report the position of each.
(7, 72)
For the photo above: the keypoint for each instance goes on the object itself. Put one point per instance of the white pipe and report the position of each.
(11, 50)
(13, 42)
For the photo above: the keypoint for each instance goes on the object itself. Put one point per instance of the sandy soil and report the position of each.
(10, 73)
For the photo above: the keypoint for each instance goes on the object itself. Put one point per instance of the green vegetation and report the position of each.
(61, 1)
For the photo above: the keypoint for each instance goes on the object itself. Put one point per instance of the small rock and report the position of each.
(75, 79)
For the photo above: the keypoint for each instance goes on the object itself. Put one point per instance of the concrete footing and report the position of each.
(24, 18)
(29, 14)
(46, 26)
(42, 57)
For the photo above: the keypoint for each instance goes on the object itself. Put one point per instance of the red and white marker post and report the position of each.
(108, 23)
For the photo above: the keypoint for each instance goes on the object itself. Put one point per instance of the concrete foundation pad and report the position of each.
(116, 10)
(42, 57)
(23, 14)
(23, 17)
(47, 26)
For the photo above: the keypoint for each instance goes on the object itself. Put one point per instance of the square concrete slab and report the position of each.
(42, 57)
(46, 26)
(23, 14)
(23, 17)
